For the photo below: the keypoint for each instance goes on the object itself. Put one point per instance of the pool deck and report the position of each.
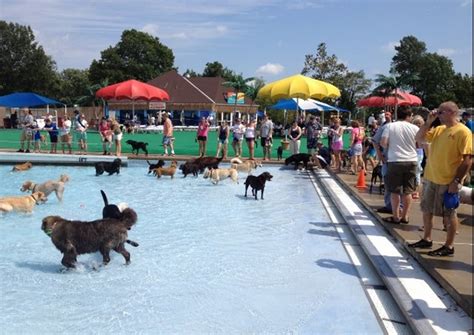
(453, 274)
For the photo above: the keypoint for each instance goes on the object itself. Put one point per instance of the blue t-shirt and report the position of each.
(470, 124)
(53, 127)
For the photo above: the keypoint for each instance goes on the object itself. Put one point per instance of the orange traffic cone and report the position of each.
(361, 180)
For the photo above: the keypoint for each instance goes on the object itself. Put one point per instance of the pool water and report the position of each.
(209, 260)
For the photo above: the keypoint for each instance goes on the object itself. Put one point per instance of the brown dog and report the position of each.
(48, 187)
(24, 203)
(22, 167)
(245, 166)
(220, 174)
(74, 238)
(166, 171)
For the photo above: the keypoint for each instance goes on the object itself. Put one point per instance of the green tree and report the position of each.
(24, 66)
(138, 55)
(389, 85)
(408, 60)
(190, 73)
(88, 97)
(239, 84)
(355, 87)
(216, 69)
(463, 89)
(74, 83)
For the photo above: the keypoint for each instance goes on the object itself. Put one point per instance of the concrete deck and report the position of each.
(454, 274)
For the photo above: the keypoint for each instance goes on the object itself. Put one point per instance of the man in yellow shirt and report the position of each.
(448, 162)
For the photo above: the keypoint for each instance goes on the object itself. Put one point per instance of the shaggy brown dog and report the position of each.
(207, 162)
(246, 166)
(74, 238)
(48, 187)
(167, 171)
(24, 203)
(22, 167)
(257, 183)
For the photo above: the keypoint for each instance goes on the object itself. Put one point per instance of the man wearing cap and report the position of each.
(449, 161)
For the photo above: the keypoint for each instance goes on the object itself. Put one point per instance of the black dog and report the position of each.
(152, 167)
(377, 173)
(74, 238)
(136, 146)
(189, 167)
(207, 162)
(109, 167)
(257, 183)
(280, 152)
(297, 159)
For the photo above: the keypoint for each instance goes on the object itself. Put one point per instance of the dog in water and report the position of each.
(279, 152)
(109, 167)
(244, 166)
(136, 146)
(22, 167)
(167, 171)
(23, 204)
(111, 211)
(377, 174)
(188, 168)
(220, 174)
(48, 187)
(207, 162)
(257, 183)
(158, 164)
(75, 237)
(297, 159)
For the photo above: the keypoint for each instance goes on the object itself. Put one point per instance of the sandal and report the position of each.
(391, 219)
(404, 221)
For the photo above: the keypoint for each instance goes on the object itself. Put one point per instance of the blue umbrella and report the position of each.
(27, 99)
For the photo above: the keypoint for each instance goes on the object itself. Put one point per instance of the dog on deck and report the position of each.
(188, 168)
(109, 167)
(244, 166)
(345, 159)
(377, 174)
(207, 162)
(167, 171)
(23, 204)
(279, 152)
(158, 164)
(22, 167)
(48, 187)
(220, 174)
(257, 183)
(74, 238)
(136, 146)
(299, 158)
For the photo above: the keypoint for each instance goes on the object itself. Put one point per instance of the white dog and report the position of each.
(47, 187)
(220, 174)
(246, 166)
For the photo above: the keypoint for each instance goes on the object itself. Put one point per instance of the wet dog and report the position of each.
(109, 167)
(207, 162)
(136, 146)
(377, 174)
(74, 238)
(22, 167)
(48, 187)
(167, 171)
(220, 174)
(158, 164)
(111, 211)
(257, 183)
(188, 168)
(23, 204)
(297, 159)
(244, 166)
(279, 152)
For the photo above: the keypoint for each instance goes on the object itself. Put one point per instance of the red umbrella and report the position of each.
(132, 90)
(401, 98)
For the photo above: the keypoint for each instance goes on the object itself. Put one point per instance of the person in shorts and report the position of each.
(448, 163)
(266, 135)
(27, 132)
(65, 134)
(167, 134)
(81, 131)
(52, 129)
(238, 130)
(223, 139)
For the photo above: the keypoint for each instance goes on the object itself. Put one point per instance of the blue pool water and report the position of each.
(209, 260)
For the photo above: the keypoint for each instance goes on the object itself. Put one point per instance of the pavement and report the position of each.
(454, 274)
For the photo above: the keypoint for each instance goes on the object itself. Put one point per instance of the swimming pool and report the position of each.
(209, 260)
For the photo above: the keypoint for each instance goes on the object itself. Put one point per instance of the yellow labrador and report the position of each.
(24, 203)
(48, 187)
(22, 167)
(246, 166)
(220, 174)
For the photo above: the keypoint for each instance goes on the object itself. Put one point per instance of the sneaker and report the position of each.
(422, 244)
(27, 151)
(20, 150)
(443, 251)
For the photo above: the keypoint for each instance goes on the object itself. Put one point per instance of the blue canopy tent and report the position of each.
(26, 99)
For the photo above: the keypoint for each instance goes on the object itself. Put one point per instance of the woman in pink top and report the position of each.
(201, 136)
(106, 135)
(357, 136)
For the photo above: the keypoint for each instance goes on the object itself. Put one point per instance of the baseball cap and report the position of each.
(451, 200)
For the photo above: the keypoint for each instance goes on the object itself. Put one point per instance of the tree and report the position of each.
(74, 83)
(354, 88)
(462, 89)
(88, 98)
(251, 91)
(389, 85)
(408, 59)
(24, 66)
(239, 84)
(214, 69)
(138, 55)
(190, 73)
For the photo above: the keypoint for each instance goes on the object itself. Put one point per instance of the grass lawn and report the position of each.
(184, 143)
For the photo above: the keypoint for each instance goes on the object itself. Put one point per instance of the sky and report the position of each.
(264, 38)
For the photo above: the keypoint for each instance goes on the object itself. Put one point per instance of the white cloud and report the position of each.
(151, 29)
(390, 46)
(270, 68)
(302, 4)
(446, 52)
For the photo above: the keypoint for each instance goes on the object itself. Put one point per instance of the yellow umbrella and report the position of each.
(298, 86)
